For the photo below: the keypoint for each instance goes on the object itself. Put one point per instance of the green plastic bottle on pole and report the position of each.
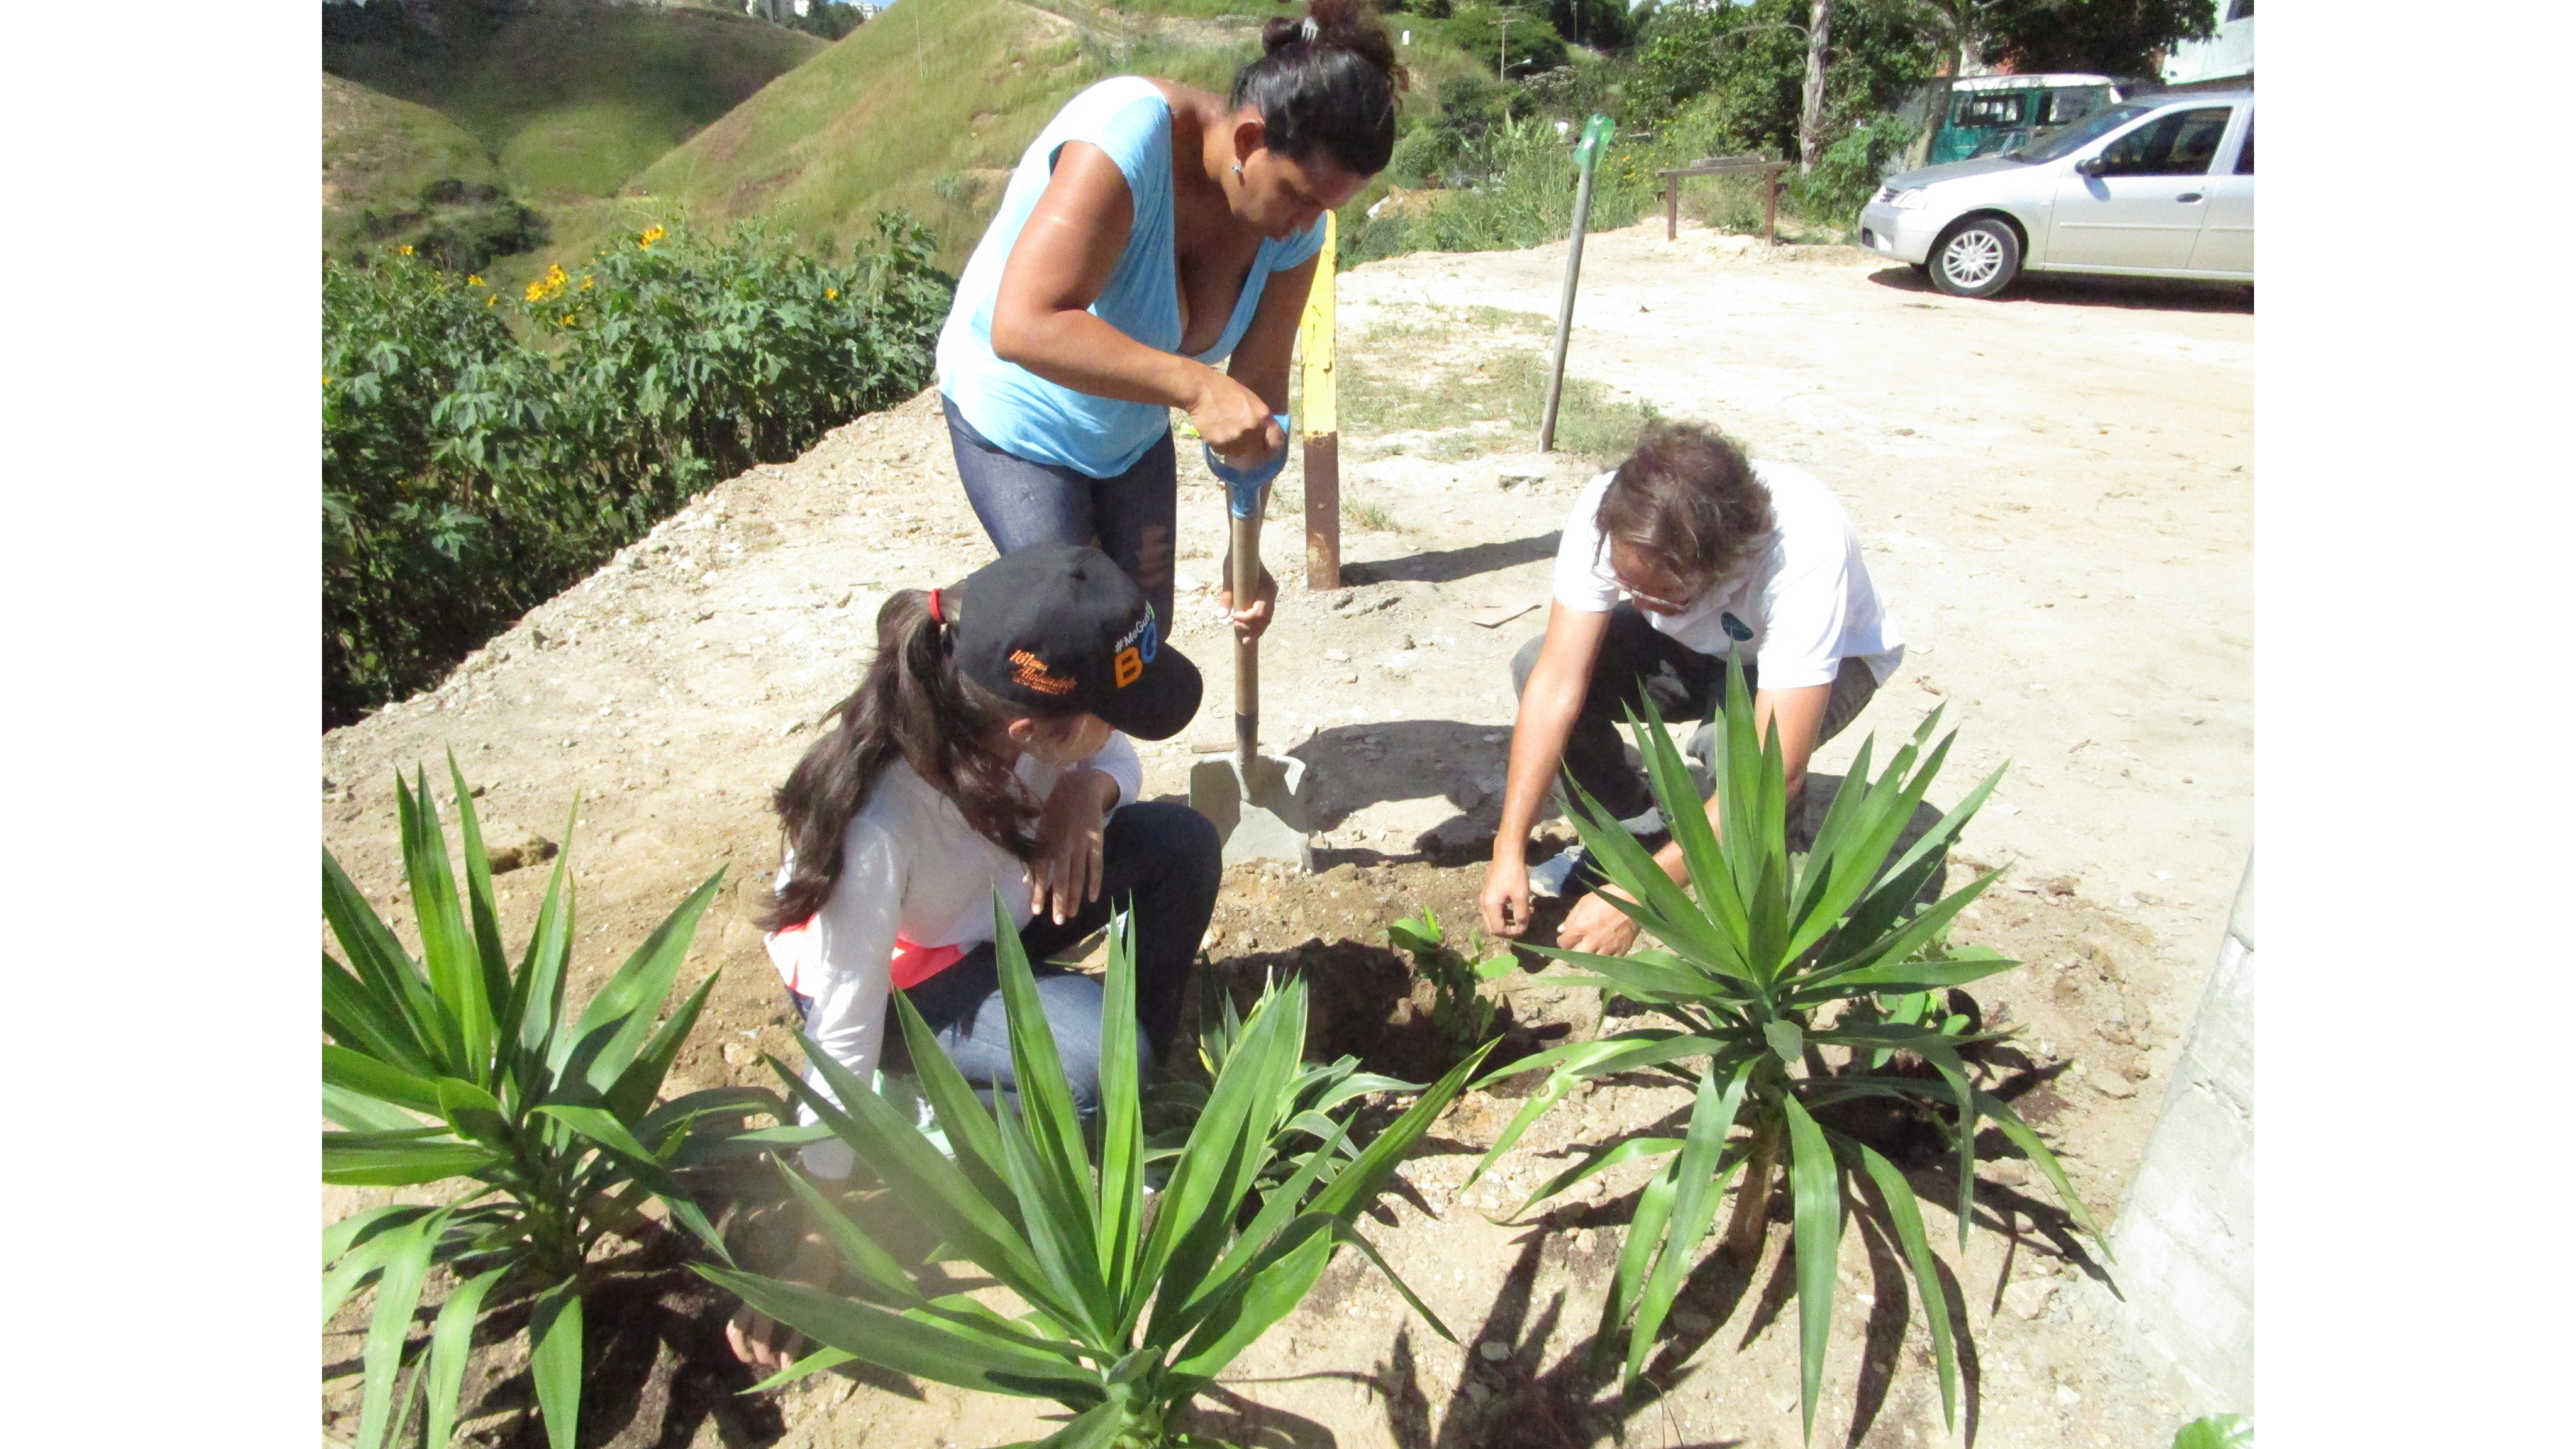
(1587, 156)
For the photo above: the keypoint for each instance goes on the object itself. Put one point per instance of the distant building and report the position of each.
(2224, 62)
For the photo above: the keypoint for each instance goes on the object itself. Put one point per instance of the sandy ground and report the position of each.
(2054, 493)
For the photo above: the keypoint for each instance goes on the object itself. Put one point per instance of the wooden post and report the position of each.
(1771, 209)
(1672, 207)
(1321, 424)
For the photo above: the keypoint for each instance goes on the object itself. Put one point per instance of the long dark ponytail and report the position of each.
(912, 704)
(1326, 84)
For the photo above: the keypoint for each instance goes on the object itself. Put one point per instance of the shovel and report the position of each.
(1257, 802)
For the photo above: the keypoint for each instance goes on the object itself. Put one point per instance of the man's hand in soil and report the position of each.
(1506, 900)
(1065, 876)
(1249, 622)
(1597, 926)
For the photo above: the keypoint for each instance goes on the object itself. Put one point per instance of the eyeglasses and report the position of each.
(1645, 600)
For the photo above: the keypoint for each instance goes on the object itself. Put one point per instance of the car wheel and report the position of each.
(1976, 259)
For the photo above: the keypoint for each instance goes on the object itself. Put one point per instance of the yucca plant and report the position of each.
(1768, 961)
(1462, 1017)
(1133, 1301)
(1306, 1112)
(462, 1065)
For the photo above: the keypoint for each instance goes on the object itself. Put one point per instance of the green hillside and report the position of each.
(398, 173)
(572, 97)
(380, 153)
(926, 108)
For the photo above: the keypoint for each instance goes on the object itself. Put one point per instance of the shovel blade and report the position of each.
(1261, 818)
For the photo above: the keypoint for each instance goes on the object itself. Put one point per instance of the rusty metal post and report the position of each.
(1321, 424)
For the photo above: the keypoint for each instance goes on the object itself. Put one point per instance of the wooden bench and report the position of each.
(1726, 166)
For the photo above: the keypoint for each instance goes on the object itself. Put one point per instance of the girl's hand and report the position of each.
(1065, 876)
(1249, 622)
(1235, 421)
(763, 1342)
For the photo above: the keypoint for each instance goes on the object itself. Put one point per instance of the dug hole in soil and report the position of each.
(2062, 532)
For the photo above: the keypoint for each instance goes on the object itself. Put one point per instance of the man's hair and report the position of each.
(1687, 501)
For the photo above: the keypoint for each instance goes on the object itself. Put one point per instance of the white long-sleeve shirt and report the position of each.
(913, 869)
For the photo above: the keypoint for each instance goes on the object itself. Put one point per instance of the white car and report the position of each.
(2161, 186)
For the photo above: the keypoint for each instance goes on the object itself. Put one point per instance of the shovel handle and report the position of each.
(1243, 537)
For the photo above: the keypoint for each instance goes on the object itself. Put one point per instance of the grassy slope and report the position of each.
(379, 151)
(575, 97)
(926, 108)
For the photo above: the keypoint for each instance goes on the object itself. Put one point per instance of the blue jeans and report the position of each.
(1129, 517)
(1159, 858)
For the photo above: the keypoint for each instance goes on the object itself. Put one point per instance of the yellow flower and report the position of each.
(548, 285)
(406, 249)
(473, 281)
(567, 319)
(831, 294)
(326, 379)
(493, 300)
(650, 237)
(586, 280)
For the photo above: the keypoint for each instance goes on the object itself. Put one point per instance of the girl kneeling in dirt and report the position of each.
(1713, 552)
(986, 750)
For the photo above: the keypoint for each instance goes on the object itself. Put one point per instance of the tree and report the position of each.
(1600, 24)
(2104, 37)
(1746, 68)
(1811, 96)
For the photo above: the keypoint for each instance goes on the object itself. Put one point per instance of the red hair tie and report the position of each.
(934, 608)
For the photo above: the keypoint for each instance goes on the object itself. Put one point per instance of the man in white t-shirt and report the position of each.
(1711, 550)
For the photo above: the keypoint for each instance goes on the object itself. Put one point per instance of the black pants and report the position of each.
(1639, 664)
(1130, 517)
(1159, 859)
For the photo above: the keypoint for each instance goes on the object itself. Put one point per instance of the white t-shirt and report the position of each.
(1799, 604)
(911, 868)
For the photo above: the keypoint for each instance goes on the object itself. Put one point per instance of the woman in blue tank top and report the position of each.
(1150, 233)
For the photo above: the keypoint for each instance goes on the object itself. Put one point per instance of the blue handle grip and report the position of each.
(1243, 485)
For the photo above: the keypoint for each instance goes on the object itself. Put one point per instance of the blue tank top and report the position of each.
(1023, 413)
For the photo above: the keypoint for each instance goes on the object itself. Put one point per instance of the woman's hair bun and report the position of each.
(1327, 82)
(1349, 25)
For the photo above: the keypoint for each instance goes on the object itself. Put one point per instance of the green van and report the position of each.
(1991, 114)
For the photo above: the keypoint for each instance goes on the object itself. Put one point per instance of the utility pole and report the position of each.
(1503, 44)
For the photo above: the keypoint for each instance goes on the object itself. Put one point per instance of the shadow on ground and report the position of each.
(1448, 565)
(2072, 289)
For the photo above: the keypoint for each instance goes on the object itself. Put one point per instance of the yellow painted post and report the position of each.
(1319, 422)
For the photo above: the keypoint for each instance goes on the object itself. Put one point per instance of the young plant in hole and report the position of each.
(1132, 1302)
(1769, 960)
(461, 1065)
(1463, 1018)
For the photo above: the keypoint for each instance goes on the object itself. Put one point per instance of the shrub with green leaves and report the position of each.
(1134, 1300)
(1462, 1016)
(1767, 962)
(482, 448)
(461, 1064)
(1847, 173)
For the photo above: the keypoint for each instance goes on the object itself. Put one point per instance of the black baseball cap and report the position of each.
(1062, 629)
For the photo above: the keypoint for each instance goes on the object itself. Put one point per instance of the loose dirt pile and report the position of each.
(2054, 496)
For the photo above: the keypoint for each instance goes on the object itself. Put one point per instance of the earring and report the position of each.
(1238, 168)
